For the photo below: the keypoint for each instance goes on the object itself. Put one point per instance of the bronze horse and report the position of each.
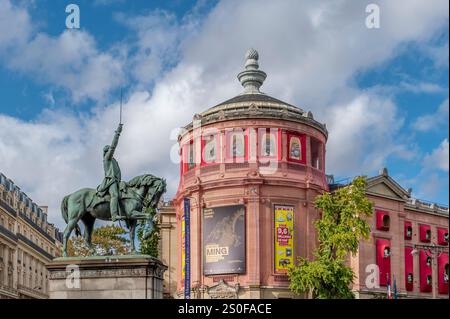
(139, 193)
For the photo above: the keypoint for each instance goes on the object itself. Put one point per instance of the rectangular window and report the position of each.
(384, 261)
(443, 273)
(409, 269)
(425, 233)
(269, 142)
(425, 268)
(316, 153)
(210, 149)
(408, 230)
(237, 145)
(189, 156)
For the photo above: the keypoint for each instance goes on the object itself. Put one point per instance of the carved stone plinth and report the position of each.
(112, 277)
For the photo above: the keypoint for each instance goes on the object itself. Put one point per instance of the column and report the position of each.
(1, 256)
(253, 249)
(15, 268)
(308, 151)
(5, 263)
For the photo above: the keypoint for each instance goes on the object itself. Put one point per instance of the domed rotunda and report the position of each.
(250, 170)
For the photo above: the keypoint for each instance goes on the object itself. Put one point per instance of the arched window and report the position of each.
(296, 147)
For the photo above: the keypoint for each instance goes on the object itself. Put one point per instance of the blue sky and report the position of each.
(382, 92)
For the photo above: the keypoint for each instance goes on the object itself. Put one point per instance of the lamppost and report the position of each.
(433, 251)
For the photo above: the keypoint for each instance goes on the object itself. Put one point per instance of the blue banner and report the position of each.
(187, 245)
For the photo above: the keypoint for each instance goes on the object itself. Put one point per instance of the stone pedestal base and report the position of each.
(106, 277)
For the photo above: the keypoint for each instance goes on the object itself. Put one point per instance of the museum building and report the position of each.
(251, 168)
(28, 242)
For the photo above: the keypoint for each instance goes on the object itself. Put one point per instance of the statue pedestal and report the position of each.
(106, 277)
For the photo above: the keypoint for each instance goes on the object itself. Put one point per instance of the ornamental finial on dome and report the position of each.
(252, 78)
(252, 54)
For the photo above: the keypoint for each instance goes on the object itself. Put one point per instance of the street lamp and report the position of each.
(432, 251)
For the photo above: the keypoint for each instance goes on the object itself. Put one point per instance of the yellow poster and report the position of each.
(284, 238)
(183, 251)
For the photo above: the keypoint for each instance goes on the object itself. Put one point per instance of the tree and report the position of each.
(342, 225)
(150, 245)
(106, 241)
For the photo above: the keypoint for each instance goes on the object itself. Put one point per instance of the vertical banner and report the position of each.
(183, 249)
(284, 237)
(187, 249)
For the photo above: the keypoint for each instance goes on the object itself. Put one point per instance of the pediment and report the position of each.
(385, 186)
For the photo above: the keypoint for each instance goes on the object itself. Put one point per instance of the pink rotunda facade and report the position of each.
(251, 168)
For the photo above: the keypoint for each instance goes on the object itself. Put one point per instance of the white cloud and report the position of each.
(15, 25)
(433, 121)
(422, 87)
(310, 50)
(70, 61)
(430, 185)
(362, 134)
(438, 159)
(158, 35)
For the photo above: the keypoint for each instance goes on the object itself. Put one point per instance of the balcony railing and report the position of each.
(8, 289)
(229, 166)
(296, 167)
(34, 246)
(35, 226)
(419, 203)
(8, 208)
(213, 168)
(8, 233)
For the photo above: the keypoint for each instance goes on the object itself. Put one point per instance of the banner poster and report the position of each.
(284, 237)
(224, 240)
(187, 248)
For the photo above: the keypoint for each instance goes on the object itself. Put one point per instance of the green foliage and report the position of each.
(149, 246)
(342, 225)
(106, 241)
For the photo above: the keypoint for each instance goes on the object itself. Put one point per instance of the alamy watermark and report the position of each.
(373, 278)
(373, 17)
(73, 277)
(73, 19)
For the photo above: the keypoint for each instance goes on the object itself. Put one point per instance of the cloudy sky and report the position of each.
(383, 92)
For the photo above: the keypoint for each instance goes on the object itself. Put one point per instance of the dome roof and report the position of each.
(252, 103)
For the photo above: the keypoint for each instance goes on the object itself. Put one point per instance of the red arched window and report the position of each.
(296, 147)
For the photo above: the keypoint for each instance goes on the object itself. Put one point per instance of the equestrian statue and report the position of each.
(113, 200)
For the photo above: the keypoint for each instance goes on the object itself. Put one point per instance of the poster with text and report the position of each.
(224, 240)
(284, 238)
